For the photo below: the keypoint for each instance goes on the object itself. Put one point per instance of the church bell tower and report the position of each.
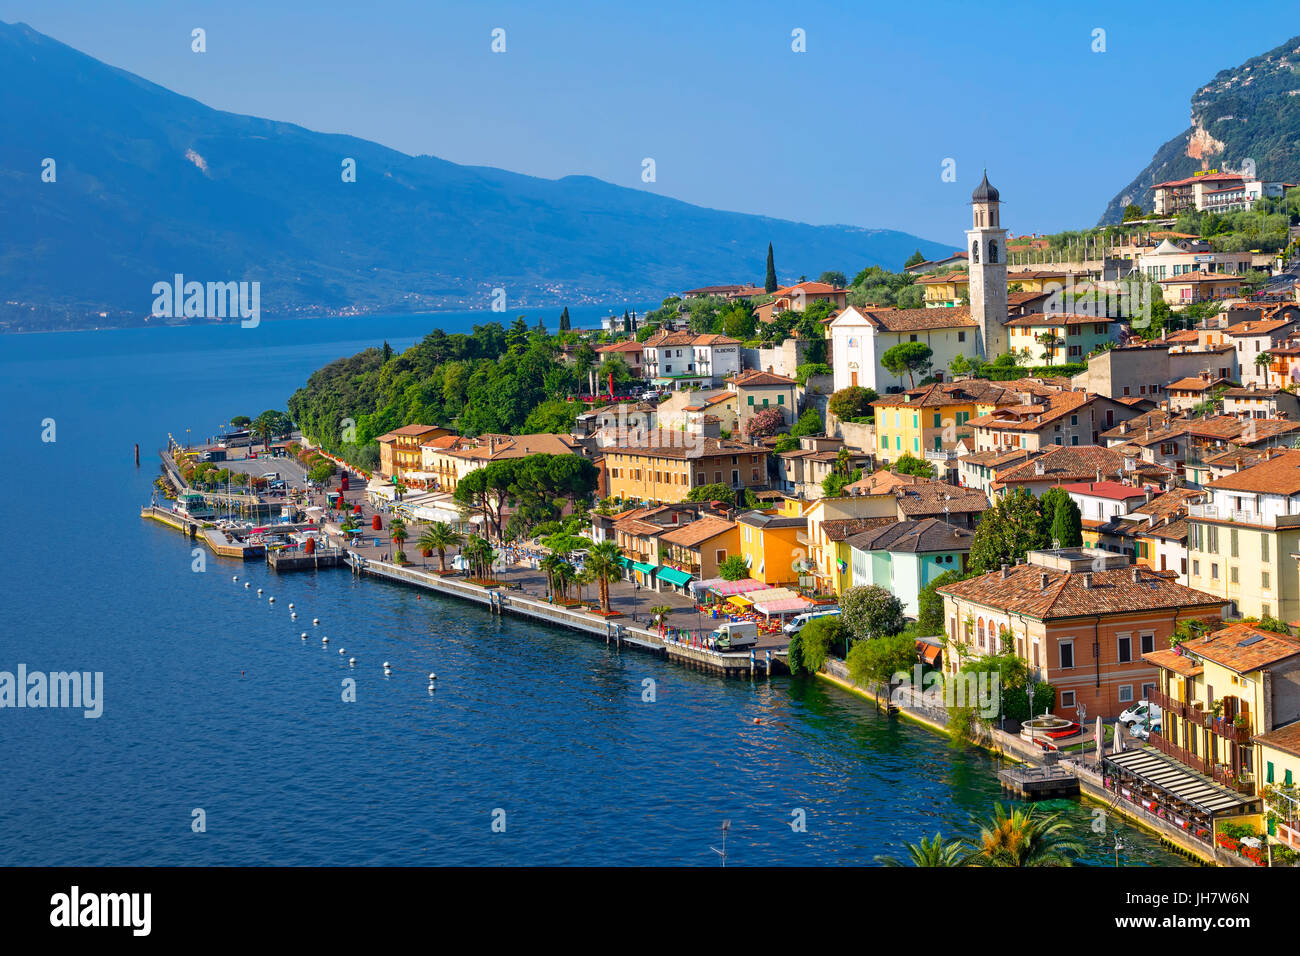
(987, 248)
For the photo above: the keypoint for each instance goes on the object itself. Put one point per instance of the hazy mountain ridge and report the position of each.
(151, 183)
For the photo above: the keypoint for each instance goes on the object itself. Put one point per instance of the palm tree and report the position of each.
(658, 613)
(397, 531)
(1050, 342)
(1261, 362)
(551, 565)
(582, 579)
(440, 536)
(934, 852)
(478, 552)
(1017, 839)
(603, 560)
(564, 575)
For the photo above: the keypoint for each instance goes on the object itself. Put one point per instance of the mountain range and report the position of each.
(148, 183)
(1250, 112)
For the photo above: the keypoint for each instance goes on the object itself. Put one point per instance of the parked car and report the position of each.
(1143, 712)
(796, 623)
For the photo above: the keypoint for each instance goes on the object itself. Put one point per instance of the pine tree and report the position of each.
(770, 284)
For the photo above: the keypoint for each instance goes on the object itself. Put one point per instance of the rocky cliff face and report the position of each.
(1246, 115)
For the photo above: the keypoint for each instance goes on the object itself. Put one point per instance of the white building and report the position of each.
(859, 337)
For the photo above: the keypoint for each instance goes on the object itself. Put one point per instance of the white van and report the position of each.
(796, 623)
(735, 635)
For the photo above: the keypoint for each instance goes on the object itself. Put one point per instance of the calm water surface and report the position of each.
(212, 701)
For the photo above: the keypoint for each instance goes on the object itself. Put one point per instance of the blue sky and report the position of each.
(855, 130)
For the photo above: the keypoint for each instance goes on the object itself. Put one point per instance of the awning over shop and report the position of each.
(775, 594)
(624, 560)
(739, 600)
(644, 568)
(930, 653)
(725, 588)
(781, 606)
(1181, 783)
(673, 576)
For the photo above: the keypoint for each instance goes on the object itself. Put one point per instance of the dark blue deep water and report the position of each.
(546, 725)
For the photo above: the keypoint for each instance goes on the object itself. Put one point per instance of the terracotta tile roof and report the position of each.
(1114, 591)
(932, 279)
(698, 531)
(755, 378)
(1170, 504)
(1195, 384)
(1171, 660)
(881, 482)
(915, 320)
(1175, 530)
(933, 499)
(1033, 417)
(632, 346)
(497, 447)
(995, 459)
(680, 445)
(1258, 327)
(1286, 738)
(1065, 463)
(1024, 298)
(967, 392)
(809, 288)
(1278, 476)
(1261, 648)
(712, 338)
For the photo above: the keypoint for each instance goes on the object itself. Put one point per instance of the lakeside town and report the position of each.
(1070, 469)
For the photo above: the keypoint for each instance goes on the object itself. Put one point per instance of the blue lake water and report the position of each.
(212, 701)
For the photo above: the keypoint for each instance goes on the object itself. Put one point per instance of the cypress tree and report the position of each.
(564, 320)
(770, 284)
(1067, 524)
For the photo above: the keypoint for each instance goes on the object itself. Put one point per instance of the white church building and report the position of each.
(861, 335)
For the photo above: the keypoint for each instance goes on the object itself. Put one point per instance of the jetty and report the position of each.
(501, 600)
(1039, 783)
(286, 560)
(214, 538)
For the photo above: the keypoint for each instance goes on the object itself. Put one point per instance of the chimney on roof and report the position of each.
(1123, 428)
(492, 445)
(1042, 581)
(1087, 580)
(1099, 472)
(1006, 571)
(1137, 573)
(1147, 492)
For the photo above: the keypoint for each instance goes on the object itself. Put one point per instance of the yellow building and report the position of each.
(769, 542)
(666, 467)
(446, 460)
(1279, 767)
(1221, 690)
(399, 450)
(830, 521)
(946, 290)
(1241, 541)
(933, 418)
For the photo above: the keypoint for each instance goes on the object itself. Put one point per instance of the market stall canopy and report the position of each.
(782, 606)
(739, 600)
(724, 588)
